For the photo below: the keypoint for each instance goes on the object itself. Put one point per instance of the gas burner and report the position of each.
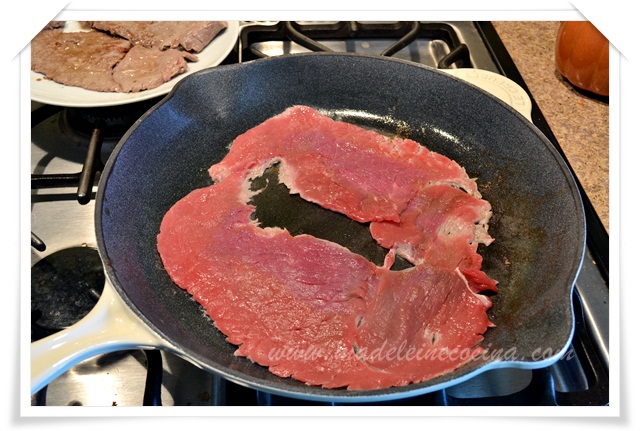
(82, 139)
(65, 286)
(445, 45)
(113, 121)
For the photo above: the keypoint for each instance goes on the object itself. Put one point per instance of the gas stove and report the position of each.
(69, 147)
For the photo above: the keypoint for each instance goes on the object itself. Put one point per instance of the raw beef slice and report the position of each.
(311, 309)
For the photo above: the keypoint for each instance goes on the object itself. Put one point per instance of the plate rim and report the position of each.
(90, 99)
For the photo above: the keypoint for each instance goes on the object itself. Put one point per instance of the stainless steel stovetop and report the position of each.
(59, 152)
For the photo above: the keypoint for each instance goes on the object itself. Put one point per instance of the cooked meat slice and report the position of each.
(54, 24)
(81, 59)
(192, 36)
(146, 68)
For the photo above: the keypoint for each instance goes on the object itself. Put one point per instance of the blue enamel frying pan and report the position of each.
(538, 222)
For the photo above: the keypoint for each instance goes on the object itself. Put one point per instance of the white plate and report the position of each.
(500, 86)
(46, 91)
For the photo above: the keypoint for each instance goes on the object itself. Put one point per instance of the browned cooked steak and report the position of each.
(54, 24)
(146, 68)
(192, 36)
(96, 61)
(80, 59)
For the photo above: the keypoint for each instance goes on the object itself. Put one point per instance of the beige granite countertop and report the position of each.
(579, 122)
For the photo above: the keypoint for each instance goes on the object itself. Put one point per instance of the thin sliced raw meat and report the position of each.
(419, 323)
(275, 295)
(441, 226)
(311, 309)
(342, 167)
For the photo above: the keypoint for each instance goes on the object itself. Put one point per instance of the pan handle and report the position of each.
(109, 327)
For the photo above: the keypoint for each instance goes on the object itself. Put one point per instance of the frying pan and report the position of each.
(538, 221)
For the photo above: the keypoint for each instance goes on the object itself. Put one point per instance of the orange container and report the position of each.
(582, 56)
